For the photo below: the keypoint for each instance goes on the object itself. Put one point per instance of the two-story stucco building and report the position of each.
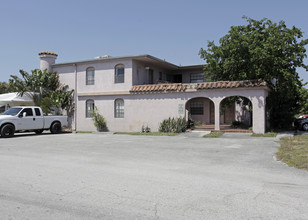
(135, 91)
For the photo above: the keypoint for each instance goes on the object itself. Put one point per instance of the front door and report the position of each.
(230, 114)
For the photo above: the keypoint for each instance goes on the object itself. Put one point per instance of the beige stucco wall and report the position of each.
(104, 76)
(151, 109)
(66, 75)
(148, 110)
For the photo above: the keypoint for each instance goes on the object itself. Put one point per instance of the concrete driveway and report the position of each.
(105, 176)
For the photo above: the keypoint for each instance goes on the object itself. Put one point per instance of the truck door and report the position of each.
(29, 121)
(39, 119)
(25, 121)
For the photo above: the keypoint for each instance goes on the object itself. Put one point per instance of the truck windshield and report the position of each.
(12, 111)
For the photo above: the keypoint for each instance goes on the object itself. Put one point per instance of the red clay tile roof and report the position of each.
(47, 53)
(231, 84)
(159, 87)
(179, 87)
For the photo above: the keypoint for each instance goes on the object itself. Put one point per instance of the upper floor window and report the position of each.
(119, 108)
(196, 77)
(90, 76)
(119, 73)
(89, 108)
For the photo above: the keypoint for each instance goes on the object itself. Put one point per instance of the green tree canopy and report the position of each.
(5, 88)
(47, 91)
(39, 82)
(262, 50)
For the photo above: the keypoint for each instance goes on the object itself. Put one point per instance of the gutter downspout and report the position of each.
(75, 110)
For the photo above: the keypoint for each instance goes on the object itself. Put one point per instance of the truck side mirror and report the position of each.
(23, 114)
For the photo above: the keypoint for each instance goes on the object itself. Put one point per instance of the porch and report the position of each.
(203, 102)
(235, 114)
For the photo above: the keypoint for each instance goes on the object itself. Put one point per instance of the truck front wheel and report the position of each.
(7, 131)
(55, 128)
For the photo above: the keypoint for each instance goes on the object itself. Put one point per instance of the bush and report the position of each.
(192, 124)
(145, 129)
(99, 120)
(173, 125)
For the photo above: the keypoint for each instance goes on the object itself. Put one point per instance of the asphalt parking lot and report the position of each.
(105, 176)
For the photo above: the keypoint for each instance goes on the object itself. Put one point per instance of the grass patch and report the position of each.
(84, 132)
(294, 151)
(213, 135)
(268, 134)
(148, 133)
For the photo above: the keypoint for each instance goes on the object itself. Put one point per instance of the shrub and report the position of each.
(192, 124)
(173, 125)
(145, 129)
(99, 120)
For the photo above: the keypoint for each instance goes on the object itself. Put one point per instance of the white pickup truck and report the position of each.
(29, 118)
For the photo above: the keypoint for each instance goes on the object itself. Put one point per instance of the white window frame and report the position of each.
(90, 76)
(117, 77)
(119, 108)
(90, 105)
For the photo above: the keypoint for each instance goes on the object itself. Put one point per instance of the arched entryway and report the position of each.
(236, 111)
(201, 110)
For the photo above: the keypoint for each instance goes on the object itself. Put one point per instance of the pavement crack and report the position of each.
(260, 193)
(71, 192)
(232, 195)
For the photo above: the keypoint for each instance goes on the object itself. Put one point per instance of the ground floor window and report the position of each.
(119, 108)
(89, 108)
(196, 108)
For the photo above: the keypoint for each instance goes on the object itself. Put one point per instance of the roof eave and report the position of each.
(115, 58)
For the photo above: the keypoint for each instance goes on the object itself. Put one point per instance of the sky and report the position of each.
(168, 29)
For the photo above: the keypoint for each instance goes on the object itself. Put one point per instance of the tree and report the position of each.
(262, 50)
(57, 101)
(46, 90)
(5, 88)
(41, 84)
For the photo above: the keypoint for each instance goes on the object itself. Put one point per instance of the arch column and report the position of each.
(258, 115)
(217, 113)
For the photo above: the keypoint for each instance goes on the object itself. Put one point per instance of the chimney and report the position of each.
(47, 58)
